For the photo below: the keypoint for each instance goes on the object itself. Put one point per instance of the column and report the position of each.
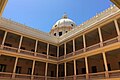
(20, 43)
(74, 46)
(100, 36)
(74, 69)
(36, 44)
(87, 70)
(5, 35)
(65, 71)
(57, 71)
(84, 42)
(33, 67)
(57, 52)
(48, 50)
(13, 75)
(64, 50)
(117, 28)
(105, 63)
(46, 69)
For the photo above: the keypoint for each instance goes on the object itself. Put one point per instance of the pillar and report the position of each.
(87, 70)
(100, 36)
(33, 67)
(65, 71)
(84, 42)
(74, 69)
(57, 52)
(117, 29)
(21, 38)
(64, 50)
(48, 50)
(5, 35)
(46, 70)
(57, 71)
(74, 46)
(105, 63)
(16, 61)
(36, 44)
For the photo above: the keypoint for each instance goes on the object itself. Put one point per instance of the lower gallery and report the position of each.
(90, 51)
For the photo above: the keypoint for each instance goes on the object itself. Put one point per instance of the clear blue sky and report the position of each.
(42, 14)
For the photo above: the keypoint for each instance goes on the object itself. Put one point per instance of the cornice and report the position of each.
(23, 29)
(98, 19)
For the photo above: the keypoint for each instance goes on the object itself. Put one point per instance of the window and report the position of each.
(29, 71)
(83, 70)
(54, 34)
(94, 69)
(60, 33)
(71, 24)
(55, 25)
(2, 68)
(66, 31)
(18, 70)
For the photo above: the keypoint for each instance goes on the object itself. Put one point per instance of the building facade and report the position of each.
(90, 51)
(2, 6)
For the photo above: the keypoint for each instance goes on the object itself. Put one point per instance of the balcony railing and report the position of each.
(51, 78)
(41, 55)
(81, 77)
(23, 76)
(61, 57)
(5, 75)
(110, 41)
(35, 77)
(79, 51)
(61, 78)
(69, 54)
(95, 46)
(114, 74)
(69, 77)
(26, 52)
(99, 75)
(52, 57)
(12, 49)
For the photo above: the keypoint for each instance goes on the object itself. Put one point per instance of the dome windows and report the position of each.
(60, 33)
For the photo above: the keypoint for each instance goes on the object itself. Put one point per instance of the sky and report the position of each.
(43, 14)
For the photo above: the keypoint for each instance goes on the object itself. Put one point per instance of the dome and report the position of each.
(64, 22)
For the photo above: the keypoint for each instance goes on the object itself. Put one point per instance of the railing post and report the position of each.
(105, 63)
(36, 45)
(47, 50)
(117, 29)
(87, 70)
(100, 36)
(4, 38)
(16, 61)
(74, 69)
(64, 50)
(21, 38)
(46, 68)
(84, 42)
(33, 67)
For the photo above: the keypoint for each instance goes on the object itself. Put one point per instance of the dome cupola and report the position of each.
(62, 26)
